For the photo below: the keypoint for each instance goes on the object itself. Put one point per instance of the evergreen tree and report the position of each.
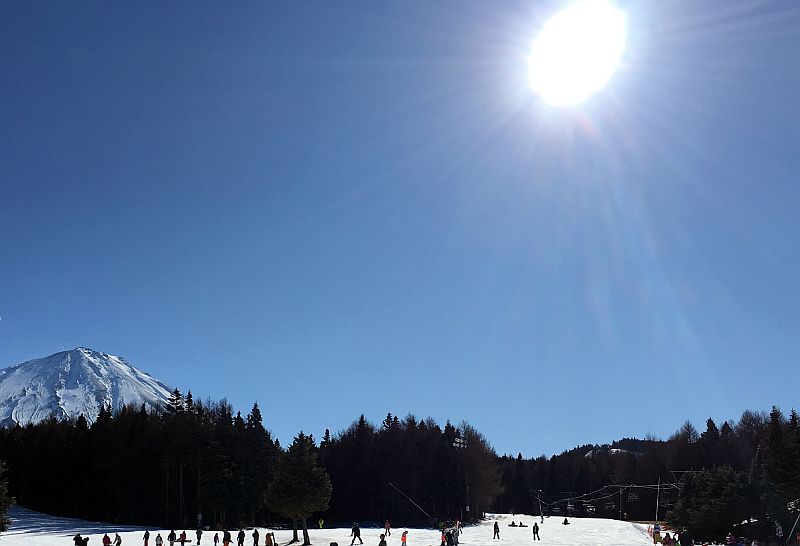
(300, 486)
(5, 499)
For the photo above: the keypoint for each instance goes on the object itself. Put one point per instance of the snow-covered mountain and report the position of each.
(72, 383)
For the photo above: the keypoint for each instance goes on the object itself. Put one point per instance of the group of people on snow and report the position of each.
(534, 529)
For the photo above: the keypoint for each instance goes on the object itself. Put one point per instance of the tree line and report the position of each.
(200, 461)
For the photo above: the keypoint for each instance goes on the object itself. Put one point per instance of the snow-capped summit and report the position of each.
(71, 383)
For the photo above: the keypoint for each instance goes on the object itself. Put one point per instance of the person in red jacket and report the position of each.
(106, 540)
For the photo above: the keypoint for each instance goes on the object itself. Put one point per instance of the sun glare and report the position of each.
(577, 51)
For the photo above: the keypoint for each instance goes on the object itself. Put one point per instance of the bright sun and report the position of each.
(577, 51)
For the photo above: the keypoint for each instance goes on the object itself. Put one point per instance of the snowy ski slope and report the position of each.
(31, 528)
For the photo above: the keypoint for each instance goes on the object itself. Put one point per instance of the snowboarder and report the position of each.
(159, 540)
(117, 540)
(240, 538)
(106, 540)
(255, 537)
(382, 541)
(536, 531)
(565, 522)
(171, 538)
(182, 539)
(199, 534)
(387, 528)
(404, 539)
(496, 531)
(355, 532)
(146, 537)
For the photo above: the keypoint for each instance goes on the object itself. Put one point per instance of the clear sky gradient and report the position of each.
(336, 208)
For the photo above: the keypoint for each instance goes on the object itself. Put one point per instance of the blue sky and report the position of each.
(345, 208)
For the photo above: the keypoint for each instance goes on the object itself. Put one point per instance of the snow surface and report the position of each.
(30, 528)
(72, 383)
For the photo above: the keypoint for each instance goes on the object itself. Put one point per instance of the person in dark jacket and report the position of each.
(255, 537)
(146, 537)
(199, 534)
(355, 532)
(171, 538)
(536, 531)
(240, 537)
(496, 534)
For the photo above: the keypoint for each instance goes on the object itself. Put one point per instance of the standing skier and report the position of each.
(355, 532)
(496, 531)
(536, 531)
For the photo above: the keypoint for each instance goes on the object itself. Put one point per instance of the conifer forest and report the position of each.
(199, 462)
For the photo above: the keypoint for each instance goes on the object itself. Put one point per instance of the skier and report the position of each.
(496, 531)
(404, 539)
(146, 537)
(240, 538)
(159, 540)
(255, 537)
(387, 528)
(536, 531)
(199, 534)
(171, 538)
(117, 540)
(382, 541)
(106, 540)
(355, 532)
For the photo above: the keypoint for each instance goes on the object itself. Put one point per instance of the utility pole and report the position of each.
(658, 494)
(461, 443)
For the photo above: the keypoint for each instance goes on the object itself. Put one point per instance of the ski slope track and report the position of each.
(29, 528)
(71, 383)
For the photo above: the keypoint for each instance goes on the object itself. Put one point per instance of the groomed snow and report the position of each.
(29, 528)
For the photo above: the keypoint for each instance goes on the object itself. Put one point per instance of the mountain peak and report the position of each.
(70, 383)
